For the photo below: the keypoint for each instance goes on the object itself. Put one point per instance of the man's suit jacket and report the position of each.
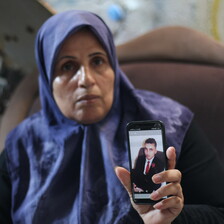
(145, 181)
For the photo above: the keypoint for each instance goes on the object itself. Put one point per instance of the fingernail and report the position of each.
(158, 205)
(154, 195)
(157, 178)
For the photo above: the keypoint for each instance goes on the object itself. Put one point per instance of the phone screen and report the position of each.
(147, 156)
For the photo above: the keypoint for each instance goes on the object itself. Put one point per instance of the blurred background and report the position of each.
(20, 20)
(131, 18)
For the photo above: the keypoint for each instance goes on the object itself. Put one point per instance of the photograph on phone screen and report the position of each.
(148, 158)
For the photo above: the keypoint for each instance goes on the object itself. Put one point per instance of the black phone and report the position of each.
(147, 156)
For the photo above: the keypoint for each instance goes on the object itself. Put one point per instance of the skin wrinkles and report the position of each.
(83, 81)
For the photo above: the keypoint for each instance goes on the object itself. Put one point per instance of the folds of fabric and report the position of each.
(62, 171)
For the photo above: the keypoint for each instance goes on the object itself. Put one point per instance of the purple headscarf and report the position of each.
(63, 171)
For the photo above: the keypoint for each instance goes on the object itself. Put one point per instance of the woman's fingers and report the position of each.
(167, 176)
(173, 178)
(171, 156)
(173, 189)
(124, 176)
(174, 203)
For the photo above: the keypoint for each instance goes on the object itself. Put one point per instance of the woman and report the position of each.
(61, 160)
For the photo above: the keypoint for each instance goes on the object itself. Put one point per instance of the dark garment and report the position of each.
(144, 181)
(5, 192)
(202, 183)
(200, 214)
(202, 170)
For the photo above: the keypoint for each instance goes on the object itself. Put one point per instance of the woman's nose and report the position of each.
(85, 78)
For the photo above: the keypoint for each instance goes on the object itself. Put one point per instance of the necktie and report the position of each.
(147, 167)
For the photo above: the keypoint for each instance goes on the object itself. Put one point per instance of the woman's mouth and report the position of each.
(88, 99)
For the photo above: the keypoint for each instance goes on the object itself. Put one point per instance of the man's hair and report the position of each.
(151, 141)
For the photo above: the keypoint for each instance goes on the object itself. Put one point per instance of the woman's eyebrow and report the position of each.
(65, 57)
(73, 57)
(97, 53)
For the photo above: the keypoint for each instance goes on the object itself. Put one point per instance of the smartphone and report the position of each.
(147, 156)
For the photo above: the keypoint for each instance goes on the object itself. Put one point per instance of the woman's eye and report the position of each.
(70, 66)
(98, 61)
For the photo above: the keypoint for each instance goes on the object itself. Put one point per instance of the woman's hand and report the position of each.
(137, 189)
(168, 209)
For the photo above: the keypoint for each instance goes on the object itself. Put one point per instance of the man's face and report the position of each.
(150, 150)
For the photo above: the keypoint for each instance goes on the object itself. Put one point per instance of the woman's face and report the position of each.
(83, 82)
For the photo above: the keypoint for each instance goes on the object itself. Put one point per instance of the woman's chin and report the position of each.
(90, 118)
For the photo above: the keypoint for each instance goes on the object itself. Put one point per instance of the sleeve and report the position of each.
(5, 192)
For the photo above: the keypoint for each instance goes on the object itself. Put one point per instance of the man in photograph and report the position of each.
(149, 162)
